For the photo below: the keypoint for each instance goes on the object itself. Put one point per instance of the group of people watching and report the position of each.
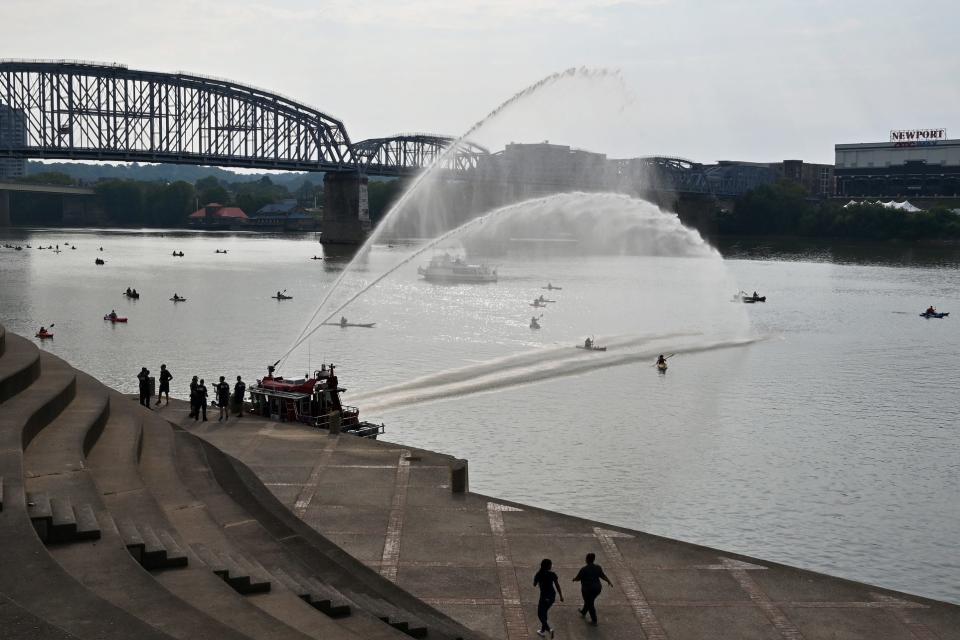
(198, 393)
(221, 391)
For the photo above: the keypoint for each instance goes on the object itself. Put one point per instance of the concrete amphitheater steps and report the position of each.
(245, 533)
(19, 365)
(54, 460)
(164, 474)
(192, 589)
(30, 576)
(286, 539)
(326, 561)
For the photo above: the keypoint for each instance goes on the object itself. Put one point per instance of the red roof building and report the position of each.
(216, 213)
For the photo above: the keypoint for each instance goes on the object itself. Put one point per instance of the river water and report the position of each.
(820, 429)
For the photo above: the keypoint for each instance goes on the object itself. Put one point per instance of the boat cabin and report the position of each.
(313, 400)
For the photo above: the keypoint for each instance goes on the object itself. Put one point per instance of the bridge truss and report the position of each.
(86, 111)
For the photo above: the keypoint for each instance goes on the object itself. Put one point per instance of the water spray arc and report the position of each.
(573, 72)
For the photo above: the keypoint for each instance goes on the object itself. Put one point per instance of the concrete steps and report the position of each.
(37, 583)
(58, 521)
(316, 565)
(19, 366)
(148, 547)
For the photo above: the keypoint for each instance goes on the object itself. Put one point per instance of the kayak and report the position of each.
(282, 297)
(364, 325)
(44, 336)
(178, 299)
(132, 297)
(580, 346)
(551, 288)
(751, 299)
(934, 315)
(662, 367)
(538, 304)
(545, 301)
(114, 320)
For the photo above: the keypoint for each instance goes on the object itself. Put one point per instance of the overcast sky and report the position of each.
(725, 79)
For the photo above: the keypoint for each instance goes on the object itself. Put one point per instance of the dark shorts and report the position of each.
(164, 387)
(223, 401)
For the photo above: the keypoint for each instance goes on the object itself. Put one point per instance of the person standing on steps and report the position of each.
(222, 391)
(202, 398)
(589, 578)
(239, 390)
(143, 378)
(549, 590)
(165, 378)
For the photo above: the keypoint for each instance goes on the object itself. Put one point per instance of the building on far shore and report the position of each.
(914, 163)
(216, 216)
(13, 133)
(285, 215)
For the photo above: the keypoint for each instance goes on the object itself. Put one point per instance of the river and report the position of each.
(818, 429)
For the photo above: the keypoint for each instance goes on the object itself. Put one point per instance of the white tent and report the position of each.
(892, 204)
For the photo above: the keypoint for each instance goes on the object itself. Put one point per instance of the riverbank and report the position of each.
(473, 556)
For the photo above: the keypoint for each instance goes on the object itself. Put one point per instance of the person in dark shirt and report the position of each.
(194, 398)
(143, 379)
(589, 578)
(239, 390)
(222, 390)
(549, 590)
(165, 378)
(202, 399)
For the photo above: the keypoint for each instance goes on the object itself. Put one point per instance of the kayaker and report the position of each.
(343, 321)
(930, 310)
(129, 292)
(43, 331)
(755, 295)
(279, 295)
(135, 294)
(113, 315)
(661, 360)
(588, 343)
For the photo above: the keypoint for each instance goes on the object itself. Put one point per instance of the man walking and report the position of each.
(589, 578)
(143, 378)
(222, 391)
(165, 378)
(239, 390)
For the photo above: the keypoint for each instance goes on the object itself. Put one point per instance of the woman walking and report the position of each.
(549, 590)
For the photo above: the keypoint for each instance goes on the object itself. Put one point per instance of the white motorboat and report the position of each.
(448, 269)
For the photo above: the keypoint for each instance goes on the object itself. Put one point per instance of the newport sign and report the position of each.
(918, 135)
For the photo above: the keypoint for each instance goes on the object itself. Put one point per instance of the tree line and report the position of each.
(786, 209)
(142, 203)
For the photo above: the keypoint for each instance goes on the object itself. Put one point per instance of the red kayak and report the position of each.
(114, 320)
(44, 336)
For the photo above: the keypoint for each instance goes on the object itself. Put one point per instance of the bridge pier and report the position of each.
(346, 212)
(4, 208)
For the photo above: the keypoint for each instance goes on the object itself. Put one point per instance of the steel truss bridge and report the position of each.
(89, 111)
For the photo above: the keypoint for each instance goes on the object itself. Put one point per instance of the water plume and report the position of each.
(538, 366)
(417, 189)
(610, 224)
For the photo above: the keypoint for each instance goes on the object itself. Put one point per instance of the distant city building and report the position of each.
(286, 214)
(914, 163)
(818, 179)
(217, 215)
(13, 133)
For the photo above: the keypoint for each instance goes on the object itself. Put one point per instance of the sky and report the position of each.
(708, 80)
